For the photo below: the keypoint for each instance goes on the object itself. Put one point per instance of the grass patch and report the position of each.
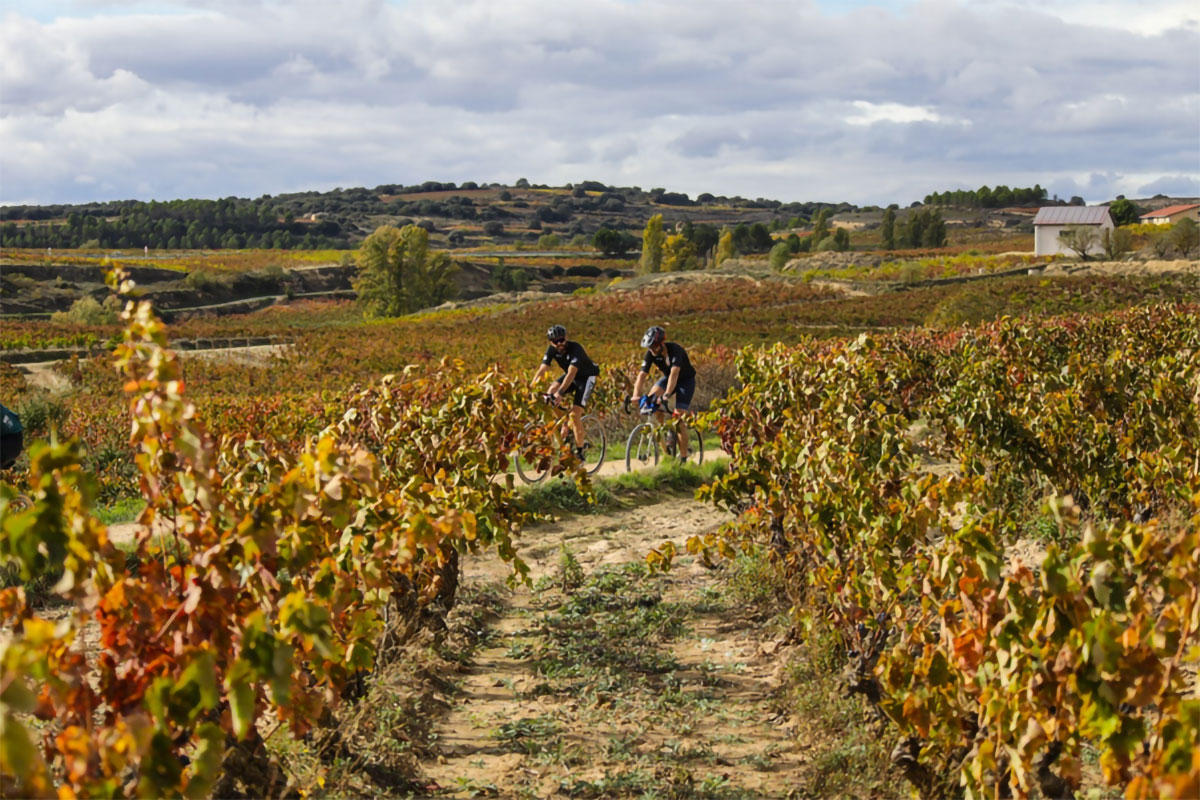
(754, 582)
(562, 495)
(126, 509)
(850, 755)
(607, 632)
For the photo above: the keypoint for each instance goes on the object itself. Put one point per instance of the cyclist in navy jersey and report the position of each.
(579, 376)
(678, 377)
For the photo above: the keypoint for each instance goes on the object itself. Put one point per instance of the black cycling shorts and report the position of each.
(684, 389)
(582, 389)
(10, 448)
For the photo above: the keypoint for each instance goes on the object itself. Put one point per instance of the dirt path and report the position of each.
(626, 684)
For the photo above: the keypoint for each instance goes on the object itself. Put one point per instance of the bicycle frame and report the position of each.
(555, 434)
(643, 443)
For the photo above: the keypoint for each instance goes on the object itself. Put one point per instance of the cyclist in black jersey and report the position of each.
(579, 375)
(679, 378)
(11, 437)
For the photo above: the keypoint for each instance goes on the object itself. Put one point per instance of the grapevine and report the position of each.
(996, 664)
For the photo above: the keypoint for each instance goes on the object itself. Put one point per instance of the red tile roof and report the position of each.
(1169, 211)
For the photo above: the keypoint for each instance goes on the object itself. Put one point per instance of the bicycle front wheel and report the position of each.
(641, 450)
(533, 455)
(595, 445)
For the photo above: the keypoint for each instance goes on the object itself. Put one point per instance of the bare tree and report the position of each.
(1079, 238)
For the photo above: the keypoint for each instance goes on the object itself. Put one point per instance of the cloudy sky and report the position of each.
(870, 102)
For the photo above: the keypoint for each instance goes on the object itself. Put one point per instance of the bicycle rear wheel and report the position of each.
(595, 445)
(641, 450)
(534, 456)
(695, 447)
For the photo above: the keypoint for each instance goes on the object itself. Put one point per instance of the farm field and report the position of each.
(975, 503)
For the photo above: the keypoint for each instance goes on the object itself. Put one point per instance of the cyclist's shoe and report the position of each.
(579, 451)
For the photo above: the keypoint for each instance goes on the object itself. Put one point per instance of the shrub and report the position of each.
(911, 272)
(509, 279)
(969, 306)
(549, 241)
(493, 228)
(41, 414)
(85, 311)
(203, 280)
(1185, 235)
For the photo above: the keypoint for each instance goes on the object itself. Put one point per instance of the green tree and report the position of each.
(703, 236)
(653, 240)
(841, 240)
(724, 248)
(934, 234)
(679, 254)
(820, 227)
(1185, 235)
(1124, 212)
(887, 231)
(760, 238)
(780, 254)
(609, 242)
(1116, 242)
(398, 274)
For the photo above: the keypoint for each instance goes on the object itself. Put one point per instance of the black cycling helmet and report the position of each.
(556, 332)
(654, 335)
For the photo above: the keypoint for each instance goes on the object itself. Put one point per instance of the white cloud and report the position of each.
(873, 104)
(871, 113)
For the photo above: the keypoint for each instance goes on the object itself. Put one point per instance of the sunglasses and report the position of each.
(558, 341)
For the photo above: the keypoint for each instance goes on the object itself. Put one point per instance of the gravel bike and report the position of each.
(650, 435)
(545, 444)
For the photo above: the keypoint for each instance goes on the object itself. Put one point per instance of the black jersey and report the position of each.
(572, 354)
(673, 356)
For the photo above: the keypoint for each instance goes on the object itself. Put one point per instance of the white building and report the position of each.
(1172, 214)
(1053, 220)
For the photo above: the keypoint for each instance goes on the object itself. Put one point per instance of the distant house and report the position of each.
(1172, 214)
(1053, 220)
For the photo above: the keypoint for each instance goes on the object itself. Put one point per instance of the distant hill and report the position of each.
(470, 215)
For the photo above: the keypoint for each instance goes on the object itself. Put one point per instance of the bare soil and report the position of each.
(604, 680)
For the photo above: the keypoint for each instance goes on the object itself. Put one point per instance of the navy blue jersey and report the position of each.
(673, 356)
(572, 354)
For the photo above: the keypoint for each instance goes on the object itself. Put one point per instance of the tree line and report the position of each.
(986, 197)
(229, 223)
(703, 246)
